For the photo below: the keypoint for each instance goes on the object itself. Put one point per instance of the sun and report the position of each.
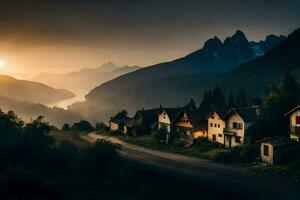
(2, 64)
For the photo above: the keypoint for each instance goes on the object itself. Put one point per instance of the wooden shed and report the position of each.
(275, 150)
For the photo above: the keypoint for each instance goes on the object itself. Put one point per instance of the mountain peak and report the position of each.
(213, 44)
(109, 65)
(239, 36)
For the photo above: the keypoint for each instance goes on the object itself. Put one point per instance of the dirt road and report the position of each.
(219, 176)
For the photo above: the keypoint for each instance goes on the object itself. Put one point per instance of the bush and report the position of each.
(100, 158)
(100, 126)
(82, 126)
(240, 154)
(66, 127)
(160, 135)
(20, 183)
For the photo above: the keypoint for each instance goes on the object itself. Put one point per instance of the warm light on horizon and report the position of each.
(2, 64)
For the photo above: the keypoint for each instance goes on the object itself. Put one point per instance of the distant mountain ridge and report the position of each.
(86, 78)
(174, 83)
(29, 91)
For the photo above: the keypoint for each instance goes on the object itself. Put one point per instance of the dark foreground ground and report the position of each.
(166, 175)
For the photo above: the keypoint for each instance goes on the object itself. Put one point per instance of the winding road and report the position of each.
(222, 177)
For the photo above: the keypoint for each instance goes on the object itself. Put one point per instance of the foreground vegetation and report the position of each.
(37, 163)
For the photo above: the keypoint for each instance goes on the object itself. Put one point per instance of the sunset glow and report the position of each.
(2, 64)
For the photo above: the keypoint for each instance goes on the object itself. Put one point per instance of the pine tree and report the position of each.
(218, 98)
(241, 98)
(231, 100)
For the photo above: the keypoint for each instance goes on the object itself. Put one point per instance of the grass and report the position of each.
(205, 150)
(73, 137)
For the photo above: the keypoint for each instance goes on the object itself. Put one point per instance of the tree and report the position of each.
(231, 101)
(82, 126)
(241, 98)
(10, 124)
(124, 112)
(192, 105)
(66, 127)
(100, 126)
(279, 100)
(207, 100)
(218, 99)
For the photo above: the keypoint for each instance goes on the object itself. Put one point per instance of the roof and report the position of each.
(221, 113)
(278, 141)
(248, 114)
(132, 122)
(198, 118)
(119, 118)
(173, 113)
(293, 110)
(149, 115)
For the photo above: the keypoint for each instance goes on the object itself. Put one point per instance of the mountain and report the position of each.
(174, 83)
(29, 91)
(258, 74)
(27, 111)
(86, 78)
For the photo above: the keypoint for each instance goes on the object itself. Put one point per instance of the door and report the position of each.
(227, 141)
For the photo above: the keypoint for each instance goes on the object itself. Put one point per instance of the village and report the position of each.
(226, 128)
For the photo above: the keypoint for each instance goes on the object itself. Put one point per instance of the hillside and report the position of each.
(258, 74)
(28, 111)
(87, 78)
(29, 91)
(174, 83)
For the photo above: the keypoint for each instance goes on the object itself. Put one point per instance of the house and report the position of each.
(294, 128)
(192, 123)
(238, 120)
(216, 125)
(276, 149)
(143, 121)
(167, 117)
(117, 123)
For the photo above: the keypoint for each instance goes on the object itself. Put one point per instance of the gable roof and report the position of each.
(148, 115)
(173, 113)
(248, 114)
(221, 113)
(291, 111)
(198, 118)
(119, 118)
(278, 141)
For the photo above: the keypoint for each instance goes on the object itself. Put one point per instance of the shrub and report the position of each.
(240, 154)
(160, 135)
(100, 158)
(66, 127)
(100, 126)
(82, 126)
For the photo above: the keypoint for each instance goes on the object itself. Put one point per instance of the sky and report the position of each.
(59, 36)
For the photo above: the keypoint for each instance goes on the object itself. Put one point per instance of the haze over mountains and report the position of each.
(174, 83)
(86, 78)
(29, 91)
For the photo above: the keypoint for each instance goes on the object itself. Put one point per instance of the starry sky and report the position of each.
(64, 35)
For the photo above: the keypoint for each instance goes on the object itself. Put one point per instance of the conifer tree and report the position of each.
(241, 98)
(231, 101)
